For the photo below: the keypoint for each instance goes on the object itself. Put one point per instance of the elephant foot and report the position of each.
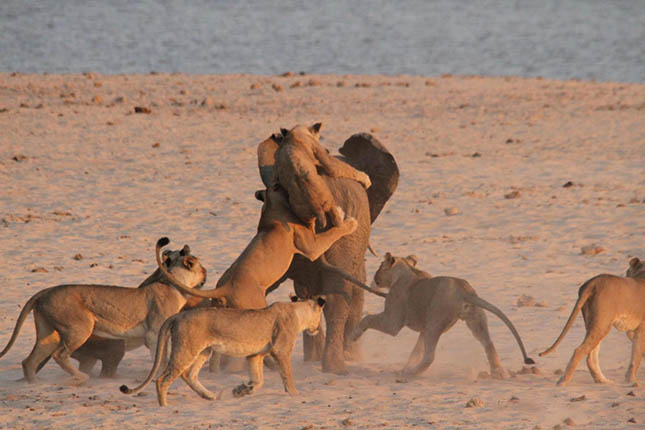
(337, 368)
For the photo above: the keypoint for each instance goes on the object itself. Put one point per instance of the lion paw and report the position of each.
(243, 390)
(365, 180)
(350, 224)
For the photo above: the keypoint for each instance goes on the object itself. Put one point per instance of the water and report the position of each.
(562, 39)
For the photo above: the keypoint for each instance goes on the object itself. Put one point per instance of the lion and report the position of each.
(111, 351)
(299, 160)
(67, 315)
(607, 300)
(431, 306)
(280, 236)
(250, 333)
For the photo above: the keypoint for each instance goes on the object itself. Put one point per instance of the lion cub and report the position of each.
(250, 333)
(607, 300)
(67, 315)
(431, 306)
(299, 161)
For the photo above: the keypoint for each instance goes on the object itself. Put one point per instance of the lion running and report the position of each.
(250, 333)
(67, 315)
(299, 161)
(431, 306)
(607, 300)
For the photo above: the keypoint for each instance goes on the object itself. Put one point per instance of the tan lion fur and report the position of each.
(267, 257)
(606, 301)
(111, 351)
(299, 161)
(431, 306)
(253, 334)
(67, 315)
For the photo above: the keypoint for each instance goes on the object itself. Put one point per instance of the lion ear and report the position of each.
(260, 195)
(389, 258)
(412, 259)
(315, 129)
(293, 298)
(634, 262)
(284, 131)
(321, 301)
(185, 250)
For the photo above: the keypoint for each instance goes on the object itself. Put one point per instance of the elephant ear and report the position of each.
(364, 152)
(266, 157)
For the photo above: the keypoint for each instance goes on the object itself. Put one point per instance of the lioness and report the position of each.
(431, 306)
(250, 333)
(267, 257)
(111, 351)
(67, 315)
(607, 300)
(298, 159)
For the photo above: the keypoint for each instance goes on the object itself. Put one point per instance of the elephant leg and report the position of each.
(336, 313)
(313, 345)
(352, 348)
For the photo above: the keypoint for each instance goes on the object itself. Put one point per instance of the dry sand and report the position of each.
(81, 173)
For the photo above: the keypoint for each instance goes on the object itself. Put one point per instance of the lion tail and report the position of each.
(21, 319)
(478, 301)
(162, 341)
(216, 293)
(586, 290)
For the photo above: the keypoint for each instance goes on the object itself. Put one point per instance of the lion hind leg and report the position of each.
(70, 343)
(593, 337)
(417, 352)
(47, 341)
(593, 365)
(478, 325)
(190, 376)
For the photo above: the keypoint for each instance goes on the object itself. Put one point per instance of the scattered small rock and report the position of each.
(255, 86)
(475, 402)
(277, 87)
(592, 249)
(156, 145)
(118, 100)
(340, 84)
(97, 100)
(569, 422)
(631, 393)
(142, 109)
(578, 399)
(615, 405)
(557, 372)
(78, 257)
(307, 427)
(19, 157)
(483, 375)
(287, 74)
(514, 399)
(476, 155)
(567, 184)
(451, 211)
(557, 427)
(347, 422)
(631, 420)
(525, 300)
(533, 370)
(39, 270)
(512, 195)
(207, 102)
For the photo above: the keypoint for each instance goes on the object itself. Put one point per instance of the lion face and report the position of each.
(392, 268)
(186, 268)
(315, 321)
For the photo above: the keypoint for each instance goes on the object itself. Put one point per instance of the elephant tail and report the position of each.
(325, 264)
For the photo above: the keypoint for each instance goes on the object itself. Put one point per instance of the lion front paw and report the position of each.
(365, 180)
(350, 225)
(243, 390)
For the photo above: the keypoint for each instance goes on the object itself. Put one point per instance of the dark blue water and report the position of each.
(602, 40)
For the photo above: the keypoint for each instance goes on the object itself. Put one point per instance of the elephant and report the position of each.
(344, 305)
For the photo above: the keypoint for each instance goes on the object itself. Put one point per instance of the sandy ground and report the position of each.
(82, 173)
